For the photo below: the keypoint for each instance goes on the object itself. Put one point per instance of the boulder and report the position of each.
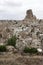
(39, 50)
(36, 43)
(1, 43)
(21, 44)
(10, 48)
(15, 51)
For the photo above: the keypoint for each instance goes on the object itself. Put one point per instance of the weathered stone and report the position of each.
(2, 53)
(36, 43)
(15, 51)
(28, 31)
(10, 48)
(39, 50)
(29, 13)
(21, 44)
(1, 43)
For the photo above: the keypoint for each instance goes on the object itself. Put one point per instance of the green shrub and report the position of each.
(12, 41)
(30, 50)
(2, 48)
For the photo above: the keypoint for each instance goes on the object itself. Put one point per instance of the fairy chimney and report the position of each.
(29, 15)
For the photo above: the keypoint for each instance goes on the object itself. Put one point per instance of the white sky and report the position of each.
(16, 9)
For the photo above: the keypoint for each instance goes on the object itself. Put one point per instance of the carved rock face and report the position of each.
(29, 13)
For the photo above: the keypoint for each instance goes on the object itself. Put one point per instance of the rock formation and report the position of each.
(29, 15)
(28, 31)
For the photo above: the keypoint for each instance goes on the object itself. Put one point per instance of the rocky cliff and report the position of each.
(29, 31)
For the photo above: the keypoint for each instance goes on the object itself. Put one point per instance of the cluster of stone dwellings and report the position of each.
(29, 31)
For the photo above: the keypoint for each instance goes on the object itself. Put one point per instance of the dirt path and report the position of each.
(17, 59)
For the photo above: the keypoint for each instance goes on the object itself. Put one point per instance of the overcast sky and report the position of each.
(16, 9)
